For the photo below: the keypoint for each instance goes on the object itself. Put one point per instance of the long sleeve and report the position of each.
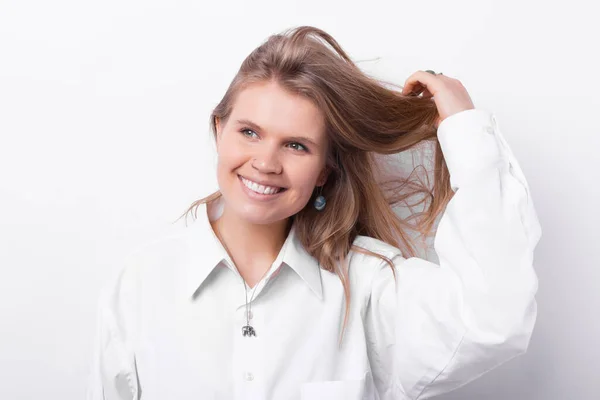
(112, 373)
(438, 327)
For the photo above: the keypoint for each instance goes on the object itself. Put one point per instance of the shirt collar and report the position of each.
(207, 252)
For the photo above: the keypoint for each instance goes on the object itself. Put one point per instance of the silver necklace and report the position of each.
(247, 330)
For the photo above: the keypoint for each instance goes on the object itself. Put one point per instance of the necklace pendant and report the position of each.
(248, 331)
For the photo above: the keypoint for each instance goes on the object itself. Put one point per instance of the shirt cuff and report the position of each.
(469, 144)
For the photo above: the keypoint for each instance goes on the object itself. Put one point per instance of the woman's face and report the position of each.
(275, 139)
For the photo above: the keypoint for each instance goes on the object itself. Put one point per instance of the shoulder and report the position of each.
(376, 246)
(147, 274)
(148, 264)
(363, 267)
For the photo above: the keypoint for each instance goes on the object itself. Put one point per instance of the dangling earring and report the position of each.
(320, 200)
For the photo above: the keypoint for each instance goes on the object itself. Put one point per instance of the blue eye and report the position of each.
(303, 148)
(243, 131)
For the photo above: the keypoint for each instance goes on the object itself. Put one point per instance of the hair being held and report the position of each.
(365, 120)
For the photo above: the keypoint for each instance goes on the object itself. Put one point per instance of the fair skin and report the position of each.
(449, 94)
(254, 227)
(287, 149)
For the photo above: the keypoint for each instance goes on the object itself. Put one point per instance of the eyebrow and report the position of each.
(257, 127)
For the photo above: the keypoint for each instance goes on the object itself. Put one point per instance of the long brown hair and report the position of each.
(364, 119)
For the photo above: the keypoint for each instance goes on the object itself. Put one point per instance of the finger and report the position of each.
(427, 94)
(421, 92)
(418, 80)
(415, 90)
(413, 85)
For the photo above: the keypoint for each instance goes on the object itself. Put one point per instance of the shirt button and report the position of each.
(249, 376)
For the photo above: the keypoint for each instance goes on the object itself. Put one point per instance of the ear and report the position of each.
(218, 127)
(323, 176)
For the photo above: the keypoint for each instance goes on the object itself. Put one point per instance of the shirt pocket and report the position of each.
(334, 390)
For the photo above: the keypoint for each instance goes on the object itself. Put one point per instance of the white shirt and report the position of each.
(170, 326)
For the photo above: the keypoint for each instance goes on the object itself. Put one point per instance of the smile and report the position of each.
(260, 189)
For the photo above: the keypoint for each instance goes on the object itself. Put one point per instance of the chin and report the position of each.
(260, 215)
(257, 218)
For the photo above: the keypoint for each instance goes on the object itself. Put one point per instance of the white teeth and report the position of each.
(259, 188)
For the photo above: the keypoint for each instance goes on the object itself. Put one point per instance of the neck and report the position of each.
(252, 247)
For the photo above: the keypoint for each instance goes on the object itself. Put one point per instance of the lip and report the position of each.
(257, 196)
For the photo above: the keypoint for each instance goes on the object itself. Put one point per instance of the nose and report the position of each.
(267, 162)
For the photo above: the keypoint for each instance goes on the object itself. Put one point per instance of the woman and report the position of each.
(298, 279)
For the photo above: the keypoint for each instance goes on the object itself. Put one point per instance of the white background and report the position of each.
(104, 142)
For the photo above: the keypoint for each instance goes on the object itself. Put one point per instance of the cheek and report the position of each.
(229, 153)
(226, 161)
(304, 176)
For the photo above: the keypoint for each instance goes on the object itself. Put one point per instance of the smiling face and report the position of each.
(272, 152)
